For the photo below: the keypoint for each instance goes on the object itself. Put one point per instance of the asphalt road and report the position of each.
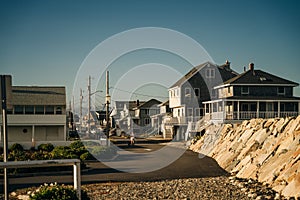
(143, 162)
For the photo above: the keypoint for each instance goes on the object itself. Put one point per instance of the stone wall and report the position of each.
(267, 150)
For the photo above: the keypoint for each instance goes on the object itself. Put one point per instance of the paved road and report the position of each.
(143, 162)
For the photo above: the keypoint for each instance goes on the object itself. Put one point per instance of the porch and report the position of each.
(237, 110)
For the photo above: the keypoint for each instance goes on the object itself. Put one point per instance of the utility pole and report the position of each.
(80, 119)
(89, 106)
(107, 99)
(4, 130)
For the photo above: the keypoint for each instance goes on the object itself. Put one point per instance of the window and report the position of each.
(197, 111)
(147, 111)
(229, 90)
(197, 92)
(245, 90)
(213, 93)
(210, 73)
(280, 90)
(58, 110)
(187, 92)
(29, 109)
(39, 110)
(19, 109)
(49, 110)
(147, 121)
(190, 112)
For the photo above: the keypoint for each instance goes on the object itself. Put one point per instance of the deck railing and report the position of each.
(243, 115)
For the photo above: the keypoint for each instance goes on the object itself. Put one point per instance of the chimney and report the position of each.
(251, 66)
(137, 102)
(227, 64)
(244, 68)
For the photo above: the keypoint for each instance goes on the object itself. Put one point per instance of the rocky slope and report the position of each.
(266, 150)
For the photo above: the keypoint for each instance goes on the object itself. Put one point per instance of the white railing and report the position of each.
(49, 163)
(243, 115)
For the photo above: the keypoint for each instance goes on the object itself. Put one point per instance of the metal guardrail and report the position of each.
(50, 163)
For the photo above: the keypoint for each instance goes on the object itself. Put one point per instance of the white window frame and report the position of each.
(189, 112)
(280, 93)
(210, 73)
(147, 120)
(187, 92)
(247, 90)
(213, 93)
(197, 112)
(198, 92)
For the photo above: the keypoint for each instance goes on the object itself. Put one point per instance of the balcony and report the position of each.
(35, 119)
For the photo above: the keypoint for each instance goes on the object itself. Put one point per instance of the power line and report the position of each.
(136, 93)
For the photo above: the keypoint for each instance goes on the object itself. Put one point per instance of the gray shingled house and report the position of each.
(253, 94)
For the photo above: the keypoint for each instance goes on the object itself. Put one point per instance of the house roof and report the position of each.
(259, 77)
(34, 95)
(148, 104)
(225, 71)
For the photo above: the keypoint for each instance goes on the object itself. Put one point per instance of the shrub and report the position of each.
(86, 156)
(76, 145)
(46, 147)
(57, 192)
(16, 147)
(62, 152)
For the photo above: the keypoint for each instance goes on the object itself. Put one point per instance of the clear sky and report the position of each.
(45, 42)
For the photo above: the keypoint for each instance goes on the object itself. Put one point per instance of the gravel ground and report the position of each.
(212, 188)
(193, 188)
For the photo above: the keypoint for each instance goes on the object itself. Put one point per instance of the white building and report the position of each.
(38, 114)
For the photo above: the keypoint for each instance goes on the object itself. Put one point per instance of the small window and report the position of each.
(197, 92)
(280, 90)
(210, 73)
(190, 112)
(147, 121)
(245, 90)
(197, 111)
(58, 110)
(213, 93)
(19, 109)
(229, 90)
(29, 109)
(187, 92)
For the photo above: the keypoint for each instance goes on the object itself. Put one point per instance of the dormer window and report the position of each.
(281, 91)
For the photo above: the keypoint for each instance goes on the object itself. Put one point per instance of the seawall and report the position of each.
(266, 150)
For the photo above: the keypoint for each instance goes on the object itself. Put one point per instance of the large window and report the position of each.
(39, 110)
(19, 109)
(49, 110)
(29, 109)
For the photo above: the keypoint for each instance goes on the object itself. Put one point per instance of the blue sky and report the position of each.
(45, 42)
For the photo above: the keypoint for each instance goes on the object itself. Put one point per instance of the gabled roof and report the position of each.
(259, 77)
(148, 104)
(225, 71)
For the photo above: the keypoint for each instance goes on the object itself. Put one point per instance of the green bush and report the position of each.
(63, 152)
(16, 147)
(46, 147)
(57, 192)
(86, 156)
(76, 145)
